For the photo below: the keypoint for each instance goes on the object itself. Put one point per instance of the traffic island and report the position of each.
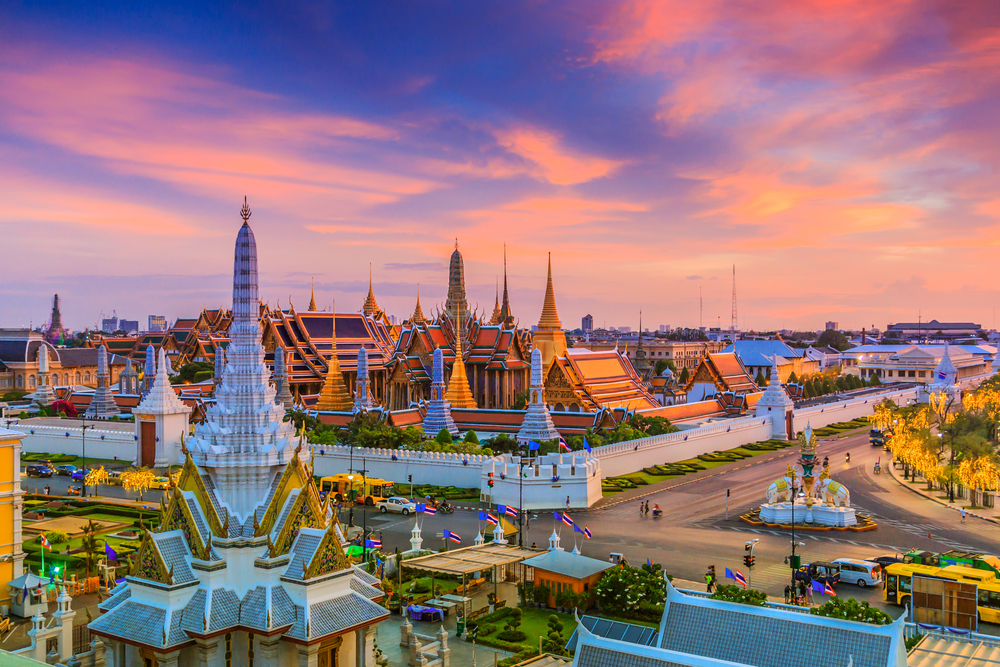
(864, 524)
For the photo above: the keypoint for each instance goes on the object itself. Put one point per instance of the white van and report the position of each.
(860, 572)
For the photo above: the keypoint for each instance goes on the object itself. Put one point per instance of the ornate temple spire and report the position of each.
(312, 295)
(44, 394)
(149, 372)
(506, 318)
(334, 395)
(161, 397)
(284, 397)
(370, 309)
(362, 393)
(537, 424)
(102, 405)
(418, 312)
(495, 318)
(459, 395)
(244, 442)
(549, 321)
(456, 300)
(438, 415)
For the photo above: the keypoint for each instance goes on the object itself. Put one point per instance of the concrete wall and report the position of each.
(438, 468)
(101, 444)
(579, 478)
(625, 457)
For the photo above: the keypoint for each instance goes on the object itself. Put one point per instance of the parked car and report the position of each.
(38, 471)
(66, 470)
(821, 571)
(46, 463)
(115, 477)
(161, 483)
(397, 504)
(860, 572)
(78, 475)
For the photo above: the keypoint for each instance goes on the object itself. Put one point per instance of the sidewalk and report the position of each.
(921, 490)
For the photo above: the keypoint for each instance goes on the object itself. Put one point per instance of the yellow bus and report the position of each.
(357, 488)
(897, 585)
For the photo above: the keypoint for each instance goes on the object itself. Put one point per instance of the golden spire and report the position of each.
(334, 395)
(418, 313)
(549, 320)
(458, 392)
(312, 295)
(370, 309)
(495, 319)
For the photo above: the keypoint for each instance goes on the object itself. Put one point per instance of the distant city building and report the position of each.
(916, 363)
(19, 366)
(833, 326)
(624, 330)
(55, 333)
(664, 328)
(157, 323)
(718, 334)
(129, 326)
(109, 324)
(758, 356)
(932, 330)
(683, 354)
(587, 324)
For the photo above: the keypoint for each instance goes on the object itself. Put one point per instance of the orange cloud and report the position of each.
(555, 163)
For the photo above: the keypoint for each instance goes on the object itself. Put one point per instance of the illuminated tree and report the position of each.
(138, 480)
(96, 476)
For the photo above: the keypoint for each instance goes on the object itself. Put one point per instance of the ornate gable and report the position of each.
(191, 480)
(303, 514)
(149, 563)
(295, 476)
(178, 516)
(329, 556)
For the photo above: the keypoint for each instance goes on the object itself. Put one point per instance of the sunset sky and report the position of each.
(843, 155)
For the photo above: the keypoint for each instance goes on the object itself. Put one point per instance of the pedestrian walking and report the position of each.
(642, 510)
(647, 507)
(567, 502)
(708, 582)
(48, 489)
(809, 592)
(963, 515)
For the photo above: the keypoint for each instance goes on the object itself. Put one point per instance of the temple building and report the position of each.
(581, 380)
(247, 565)
(456, 301)
(717, 374)
(55, 333)
(549, 337)
(68, 367)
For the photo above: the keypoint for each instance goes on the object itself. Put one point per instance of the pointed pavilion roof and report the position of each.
(549, 321)
(370, 308)
(312, 297)
(459, 395)
(334, 395)
(418, 312)
(506, 318)
(495, 318)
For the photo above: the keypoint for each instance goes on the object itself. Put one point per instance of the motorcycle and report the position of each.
(657, 512)
(445, 508)
(847, 457)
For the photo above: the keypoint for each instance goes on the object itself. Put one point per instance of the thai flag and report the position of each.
(374, 543)
(492, 519)
(566, 520)
(563, 445)
(586, 531)
(828, 589)
(45, 542)
(738, 577)
(510, 510)
(941, 375)
(454, 537)
(430, 510)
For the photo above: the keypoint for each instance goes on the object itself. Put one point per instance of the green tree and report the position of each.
(471, 438)
(748, 596)
(809, 391)
(761, 382)
(662, 365)
(444, 437)
(851, 610)
(835, 339)
(554, 642)
(685, 376)
(90, 545)
(874, 380)
(792, 379)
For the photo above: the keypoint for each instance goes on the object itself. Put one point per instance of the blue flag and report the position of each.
(556, 516)
(24, 593)
(649, 562)
(482, 516)
(109, 552)
(586, 445)
(577, 529)
(533, 446)
(420, 508)
(501, 509)
(818, 587)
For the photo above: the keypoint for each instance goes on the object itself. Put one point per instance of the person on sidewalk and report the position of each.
(963, 515)
(647, 508)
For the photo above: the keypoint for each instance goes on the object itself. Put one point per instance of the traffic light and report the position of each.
(752, 559)
(747, 560)
(489, 482)
(409, 478)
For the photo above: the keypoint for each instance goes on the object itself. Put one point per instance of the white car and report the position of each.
(398, 505)
(860, 572)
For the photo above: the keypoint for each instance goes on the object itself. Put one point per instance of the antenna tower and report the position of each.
(733, 324)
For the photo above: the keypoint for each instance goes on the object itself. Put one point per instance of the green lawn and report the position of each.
(535, 623)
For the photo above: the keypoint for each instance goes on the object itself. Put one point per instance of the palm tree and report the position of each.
(90, 545)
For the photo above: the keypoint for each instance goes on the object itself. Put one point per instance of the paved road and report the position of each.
(694, 531)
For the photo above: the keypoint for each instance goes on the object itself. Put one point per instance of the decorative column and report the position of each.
(438, 414)
(479, 538)
(284, 397)
(37, 642)
(498, 534)
(64, 618)
(362, 393)
(44, 393)
(416, 542)
(102, 404)
(206, 648)
(309, 655)
(554, 541)
(775, 404)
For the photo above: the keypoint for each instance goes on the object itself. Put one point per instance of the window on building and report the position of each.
(912, 374)
(31, 381)
(923, 373)
(86, 376)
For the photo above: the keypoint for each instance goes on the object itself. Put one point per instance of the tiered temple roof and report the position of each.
(726, 372)
(591, 380)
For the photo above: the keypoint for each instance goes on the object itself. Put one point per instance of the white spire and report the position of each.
(537, 424)
(162, 399)
(362, 393)
(102, 404)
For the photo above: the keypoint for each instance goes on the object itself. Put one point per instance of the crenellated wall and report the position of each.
(549, 480)
(438, 468)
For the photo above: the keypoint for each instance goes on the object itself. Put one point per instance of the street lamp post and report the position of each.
(83, 485)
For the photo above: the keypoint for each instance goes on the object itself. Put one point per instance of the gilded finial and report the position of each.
(305, 569)
(256, 525)
(245, 211)
(270, 547)
(184, 449)
(225, 526)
